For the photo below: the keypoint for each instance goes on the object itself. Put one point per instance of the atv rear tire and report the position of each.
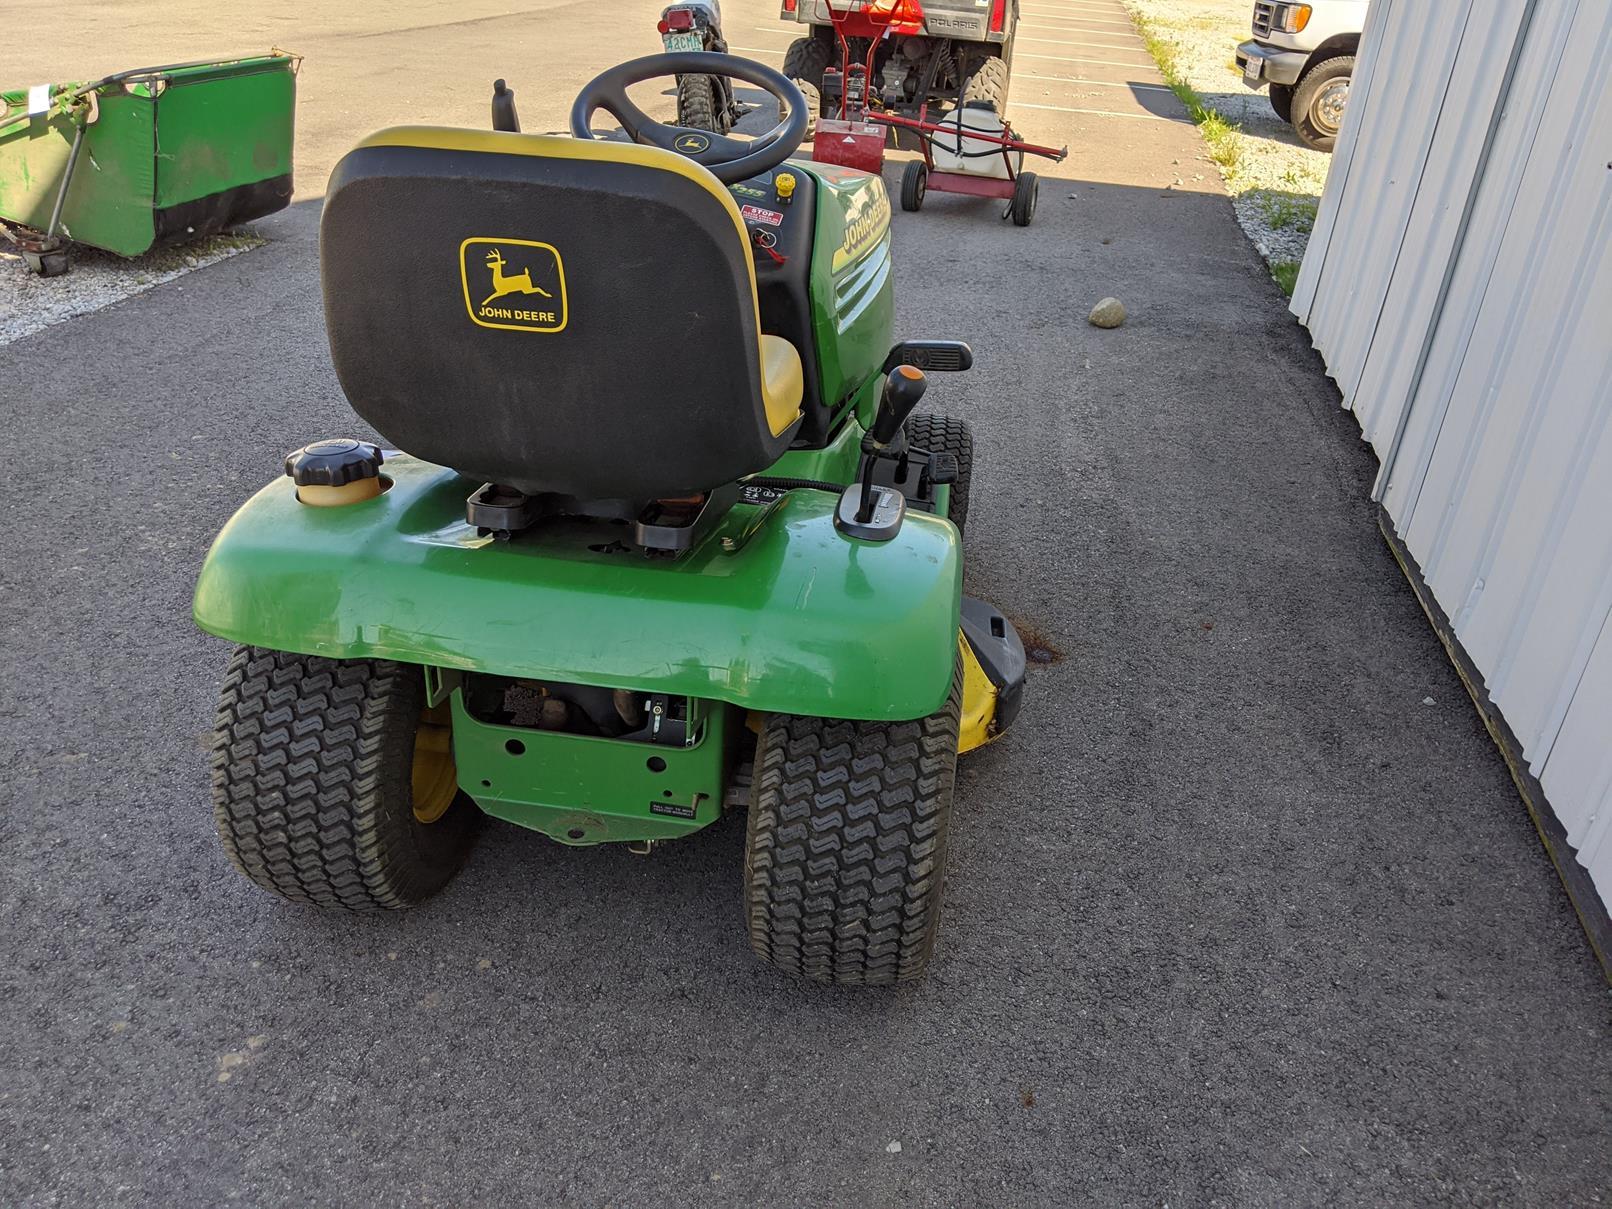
(914, 184)
(846, 849)
(807, 59)
(315, 772)
(697, 104)
(989, 83)
(814, 107)
(942, 434)
(1026, 192)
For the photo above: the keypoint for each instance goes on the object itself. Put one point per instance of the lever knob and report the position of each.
(903, 388)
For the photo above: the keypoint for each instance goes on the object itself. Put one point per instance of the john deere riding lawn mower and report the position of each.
(657, 533)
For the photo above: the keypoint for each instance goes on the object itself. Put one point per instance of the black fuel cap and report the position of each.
(333, 463)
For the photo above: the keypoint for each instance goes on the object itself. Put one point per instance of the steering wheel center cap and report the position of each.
(692, 144)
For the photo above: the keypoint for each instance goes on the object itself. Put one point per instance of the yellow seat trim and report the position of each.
(782, 380)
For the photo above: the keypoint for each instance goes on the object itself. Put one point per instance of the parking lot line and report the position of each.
(1102, 113)
(1079, 59)
(1025, 75)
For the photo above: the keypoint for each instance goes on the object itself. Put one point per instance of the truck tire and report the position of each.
(1318, 101)
(942, 434)
(697, 104)
(1281, 97)
(330, 783)
(989, 84)
(845, 853)
(806, 59)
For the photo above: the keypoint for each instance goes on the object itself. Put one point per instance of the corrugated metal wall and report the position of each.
(1459, 285)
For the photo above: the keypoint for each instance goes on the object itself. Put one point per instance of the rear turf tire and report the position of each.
(989, 83)
(846, 849)
(914, 184)
(1026, 193)
(313, 782)
(697, 103)
(942, 434)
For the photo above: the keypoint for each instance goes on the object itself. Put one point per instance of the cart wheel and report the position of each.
(914, 184)
(1026, 191)
(333, 784)
(846, 847)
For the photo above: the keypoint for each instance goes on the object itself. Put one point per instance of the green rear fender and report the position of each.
(777, 611)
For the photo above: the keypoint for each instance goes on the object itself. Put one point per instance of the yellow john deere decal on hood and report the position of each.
(866, 222)
(514, 284)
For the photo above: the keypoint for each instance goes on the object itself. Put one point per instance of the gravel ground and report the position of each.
(1274, 180)
(29, 302)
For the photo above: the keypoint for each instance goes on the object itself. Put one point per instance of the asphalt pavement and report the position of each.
(1244, 911)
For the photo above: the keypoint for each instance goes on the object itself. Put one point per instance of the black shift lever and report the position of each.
(903, 388)
(504, 117)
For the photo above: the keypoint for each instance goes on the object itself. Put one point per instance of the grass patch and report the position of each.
(1286, 274)
(1224, 139)
(1283, 212)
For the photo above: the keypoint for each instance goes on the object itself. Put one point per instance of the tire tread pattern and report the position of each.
(846, 848)
(311, 782)
(943, 434)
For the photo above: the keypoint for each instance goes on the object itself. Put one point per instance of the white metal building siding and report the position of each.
(1459, 285)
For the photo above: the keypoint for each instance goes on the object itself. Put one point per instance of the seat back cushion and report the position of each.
(549, 314)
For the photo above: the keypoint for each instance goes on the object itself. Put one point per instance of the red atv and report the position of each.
(930, 49)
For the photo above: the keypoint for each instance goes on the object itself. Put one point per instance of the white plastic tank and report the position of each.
(955, 151)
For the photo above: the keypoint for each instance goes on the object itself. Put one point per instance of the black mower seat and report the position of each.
(552, 314)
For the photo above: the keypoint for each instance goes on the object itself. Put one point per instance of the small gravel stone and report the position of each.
(893, 1148)
(1110, 312)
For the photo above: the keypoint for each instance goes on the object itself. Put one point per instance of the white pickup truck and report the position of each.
(1306, 54)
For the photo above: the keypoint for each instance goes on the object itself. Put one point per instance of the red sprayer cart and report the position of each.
(971, 149)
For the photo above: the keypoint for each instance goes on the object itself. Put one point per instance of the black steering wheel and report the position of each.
(729, 160)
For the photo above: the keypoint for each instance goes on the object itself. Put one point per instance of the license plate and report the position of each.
(691, 40)
(1252, 69)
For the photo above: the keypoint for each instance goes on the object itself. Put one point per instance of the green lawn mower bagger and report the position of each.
(662, 535)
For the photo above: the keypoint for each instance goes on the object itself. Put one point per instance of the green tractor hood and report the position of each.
(776, 611)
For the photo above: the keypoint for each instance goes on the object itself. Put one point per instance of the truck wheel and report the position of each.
(1281, 96)
(697, 104)
(807, 59)
(1318, 102)
(989, 84)
(333, 785)
(914, 184)
(846, 848)
(942, 434)
(1026, 192)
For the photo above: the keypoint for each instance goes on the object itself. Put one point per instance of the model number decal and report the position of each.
(676, 809)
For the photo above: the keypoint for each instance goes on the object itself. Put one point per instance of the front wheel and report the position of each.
(333, 784)
(1026, 192)
(914, 184)
(943, 434)
(1318, 102)
(846, 847)
(698, 105)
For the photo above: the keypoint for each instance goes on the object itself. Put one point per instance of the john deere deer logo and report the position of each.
(514, 269)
